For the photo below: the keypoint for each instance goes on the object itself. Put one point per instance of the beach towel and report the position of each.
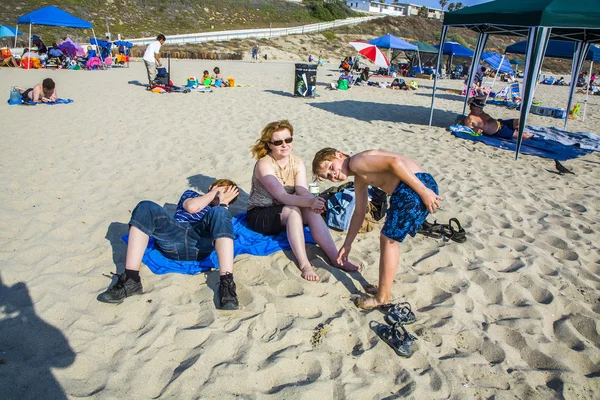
(201, 89)
(246, 241)
(20, 102)
(541, 145)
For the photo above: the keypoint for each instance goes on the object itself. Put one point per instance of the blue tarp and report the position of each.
(53, 16)
(392, 42)
(7, 31)
(494, 59)
(123, 43)
(454, 49)
(100, 42)
(556, 49)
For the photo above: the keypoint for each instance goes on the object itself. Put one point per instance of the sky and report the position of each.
(436, 3)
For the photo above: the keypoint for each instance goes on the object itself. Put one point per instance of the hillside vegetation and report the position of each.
(146, 18)
(143, 18)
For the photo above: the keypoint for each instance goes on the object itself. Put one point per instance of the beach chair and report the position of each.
(515, 91)
(548, 81)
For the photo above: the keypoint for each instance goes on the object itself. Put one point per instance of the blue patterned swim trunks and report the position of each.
(407, 211)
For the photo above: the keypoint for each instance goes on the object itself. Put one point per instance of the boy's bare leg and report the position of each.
(291, 216)
(320, 232)
(224, 248)
(388, 265)
(136, 246)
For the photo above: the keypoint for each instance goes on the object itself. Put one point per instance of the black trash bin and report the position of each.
(305, 82)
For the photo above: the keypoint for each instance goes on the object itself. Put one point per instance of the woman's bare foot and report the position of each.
(349, 267)
(367, 302)
(309, 273)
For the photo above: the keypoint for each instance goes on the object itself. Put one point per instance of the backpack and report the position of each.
(340, 208)
(341, 203)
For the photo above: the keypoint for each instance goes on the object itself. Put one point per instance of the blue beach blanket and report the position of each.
(33, 103)
(544, 144)
(246, 241)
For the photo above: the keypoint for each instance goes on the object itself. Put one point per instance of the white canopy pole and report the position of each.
(587, 92)
(437, 71)
(536, 48)
(581, 50)
(481, 39)
(97, 46)
(16, 34)
(29, 48)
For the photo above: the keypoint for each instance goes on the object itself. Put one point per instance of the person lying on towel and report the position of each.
(481, 122)
(44, 92)
(201, 224)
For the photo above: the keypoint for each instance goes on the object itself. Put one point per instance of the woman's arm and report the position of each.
(266, 175)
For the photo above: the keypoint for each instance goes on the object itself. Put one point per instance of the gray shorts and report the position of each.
(152, 71)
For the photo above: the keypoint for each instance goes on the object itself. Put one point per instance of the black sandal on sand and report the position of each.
(431, 230)
(459, 234)
(397, 340)
(400, 314)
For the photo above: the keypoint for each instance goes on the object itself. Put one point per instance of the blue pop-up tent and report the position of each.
(7, 31)
(52, 16)
(561, 49)
(390, 41)
(454, 49)
(556, 49)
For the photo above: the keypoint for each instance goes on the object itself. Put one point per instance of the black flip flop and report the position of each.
(400, 314)
(399, 341)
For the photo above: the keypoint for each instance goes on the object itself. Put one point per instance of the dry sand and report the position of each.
(510, 314)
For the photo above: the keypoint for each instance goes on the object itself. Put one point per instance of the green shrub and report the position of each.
(329, 35)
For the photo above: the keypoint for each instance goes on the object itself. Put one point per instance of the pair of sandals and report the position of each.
(394, 334)
(453, 230)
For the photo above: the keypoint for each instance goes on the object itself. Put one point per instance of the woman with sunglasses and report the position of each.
(279, 199)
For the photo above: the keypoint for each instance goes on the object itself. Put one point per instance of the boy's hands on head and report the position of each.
(228, 193)
(431, 200)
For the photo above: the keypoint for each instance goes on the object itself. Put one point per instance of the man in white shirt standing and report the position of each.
(152, 58)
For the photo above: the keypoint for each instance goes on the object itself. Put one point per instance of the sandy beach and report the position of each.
(510, 314)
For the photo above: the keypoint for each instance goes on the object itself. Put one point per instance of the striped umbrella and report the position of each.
(371, 52)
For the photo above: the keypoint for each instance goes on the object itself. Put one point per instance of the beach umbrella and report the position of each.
(371, 52)
(496, 61)
(7, 31)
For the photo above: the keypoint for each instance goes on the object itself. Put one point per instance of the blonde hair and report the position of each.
(225, 183)
(326, 154)
(261, 147)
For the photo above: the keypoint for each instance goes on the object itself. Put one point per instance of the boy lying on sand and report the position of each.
(202, 223)
(414, 194)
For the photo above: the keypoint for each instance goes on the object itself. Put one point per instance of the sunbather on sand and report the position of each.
(481, 122)
(44, 92)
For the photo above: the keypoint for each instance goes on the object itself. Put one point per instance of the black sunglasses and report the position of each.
(280, 142)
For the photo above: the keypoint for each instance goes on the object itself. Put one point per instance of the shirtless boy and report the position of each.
(414, 194)
(42, 92)
(481, 122)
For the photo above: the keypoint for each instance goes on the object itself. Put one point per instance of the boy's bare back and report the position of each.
(375, 168)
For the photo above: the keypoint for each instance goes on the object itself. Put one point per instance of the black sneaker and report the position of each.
(227, 294)
(123, 288)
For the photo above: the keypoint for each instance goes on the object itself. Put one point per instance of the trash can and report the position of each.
(305, 82)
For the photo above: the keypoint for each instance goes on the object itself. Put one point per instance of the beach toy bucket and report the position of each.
(207, 82)
(15, 96)
(192, 81)
(343, 84)
(231, 82)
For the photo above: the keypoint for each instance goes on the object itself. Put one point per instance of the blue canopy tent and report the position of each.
(562, 49)
(52, 16)
(392, 42)
(454, 49)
